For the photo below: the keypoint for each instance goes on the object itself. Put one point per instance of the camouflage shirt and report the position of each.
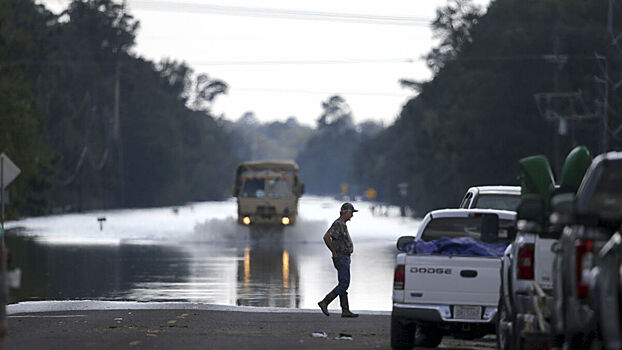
(340, 238)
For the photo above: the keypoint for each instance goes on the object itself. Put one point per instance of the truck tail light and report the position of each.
(398, 277)
(525, 262)
(584, 263)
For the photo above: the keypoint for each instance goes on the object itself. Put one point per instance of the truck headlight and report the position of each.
(246, 220)
(285, 220)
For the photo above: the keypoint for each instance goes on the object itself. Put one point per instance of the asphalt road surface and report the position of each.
(199, 326)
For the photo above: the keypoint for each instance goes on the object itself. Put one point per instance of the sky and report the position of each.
(283, 58)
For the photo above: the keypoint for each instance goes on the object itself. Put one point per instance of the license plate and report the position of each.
(468, 312)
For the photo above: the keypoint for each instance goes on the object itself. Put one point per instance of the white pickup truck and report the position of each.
(491, 197)
(434, 294)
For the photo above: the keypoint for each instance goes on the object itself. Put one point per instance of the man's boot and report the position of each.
(345, 307)
(324, 303)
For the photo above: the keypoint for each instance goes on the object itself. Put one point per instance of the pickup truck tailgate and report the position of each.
(544, 262)
(465, 280)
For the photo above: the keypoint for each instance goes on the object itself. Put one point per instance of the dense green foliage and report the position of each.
(58, 91)
(253, 140)
(477, 117)
(326, 161)
(21, 123)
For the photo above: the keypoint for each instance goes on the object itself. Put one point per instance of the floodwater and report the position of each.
(198, 253)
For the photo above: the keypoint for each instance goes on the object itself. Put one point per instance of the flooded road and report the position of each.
(198, 253)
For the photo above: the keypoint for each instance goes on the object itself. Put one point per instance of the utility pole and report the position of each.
(603, 63)
(560, 61)
(605, 105)
(549, 111)
(561, 107)
(116, 132)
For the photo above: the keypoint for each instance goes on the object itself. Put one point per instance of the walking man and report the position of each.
(338, 240)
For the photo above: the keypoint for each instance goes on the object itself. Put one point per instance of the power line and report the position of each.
(534, 57)
(186, 7)
(303, 62)
(219, 63)
(317, 92)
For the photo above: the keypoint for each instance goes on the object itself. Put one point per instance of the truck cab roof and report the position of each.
(463, 212)
(493, 197)
(463, 222)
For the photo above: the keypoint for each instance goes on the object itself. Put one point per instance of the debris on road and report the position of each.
(344, 336)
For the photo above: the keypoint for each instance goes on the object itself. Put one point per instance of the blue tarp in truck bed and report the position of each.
(456, 246)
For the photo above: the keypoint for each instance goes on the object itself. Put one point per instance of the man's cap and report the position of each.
(347, 206)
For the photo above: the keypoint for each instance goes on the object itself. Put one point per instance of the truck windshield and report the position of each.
(254, 188)
(606, 201)
(279, 188)
(464, 227)
(497, 201)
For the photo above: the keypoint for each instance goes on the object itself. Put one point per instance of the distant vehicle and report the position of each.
(491, 197)
(267, 192)
(457, 294)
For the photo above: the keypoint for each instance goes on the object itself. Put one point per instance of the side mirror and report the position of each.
(403, 241)
(235, 189)
(530, 213)
(512, 232)
(490, 228)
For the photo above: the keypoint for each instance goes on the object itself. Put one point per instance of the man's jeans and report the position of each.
(342, 264)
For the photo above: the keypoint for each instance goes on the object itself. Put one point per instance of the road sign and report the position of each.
(344, 189)
(403, 187)
(8, 170)
(371, 194)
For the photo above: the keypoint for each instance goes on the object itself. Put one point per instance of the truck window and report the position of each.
(497, 201)
(607, 198)
(466, 200)
(254, 188)
(279, 188)
(463, 227)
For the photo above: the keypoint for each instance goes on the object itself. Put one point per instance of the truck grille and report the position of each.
(266, 212)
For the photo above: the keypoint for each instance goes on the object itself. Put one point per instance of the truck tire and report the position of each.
(504, 335)
(428, 336)
(402, 333)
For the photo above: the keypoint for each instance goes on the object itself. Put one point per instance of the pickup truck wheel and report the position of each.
(504, 334)
(402, 333)
(428, 336)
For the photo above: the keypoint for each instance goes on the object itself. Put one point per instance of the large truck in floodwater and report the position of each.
(267, 193)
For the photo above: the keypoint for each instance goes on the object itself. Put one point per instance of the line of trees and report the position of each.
(93, 126)
(478, 116)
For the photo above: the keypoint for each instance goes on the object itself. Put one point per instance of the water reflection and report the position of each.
(268, 276)
(56, 272)
(234, 274)
(250, 273)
